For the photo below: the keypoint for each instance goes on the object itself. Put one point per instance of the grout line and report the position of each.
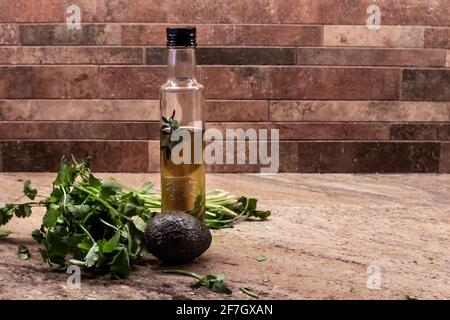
(134, 65)
(212, 46)
(155, 98)
(260, 66)
(402, 123)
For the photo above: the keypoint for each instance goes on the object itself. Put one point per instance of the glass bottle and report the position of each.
(182, 127)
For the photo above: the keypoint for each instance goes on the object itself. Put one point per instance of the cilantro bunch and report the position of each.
(91, 223)
(99, 225)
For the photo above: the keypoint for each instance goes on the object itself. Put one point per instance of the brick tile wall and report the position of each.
(345, 98)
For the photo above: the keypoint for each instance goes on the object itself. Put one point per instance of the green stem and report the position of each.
(106, 204)
(109, 225)
(89, 235)
(250, 293)
(221, 209)
(185, 273)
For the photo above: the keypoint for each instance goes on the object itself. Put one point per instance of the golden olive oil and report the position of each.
(183, 184)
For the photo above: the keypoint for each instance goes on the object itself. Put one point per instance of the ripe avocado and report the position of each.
(177, 237)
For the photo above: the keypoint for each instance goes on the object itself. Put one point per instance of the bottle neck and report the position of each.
(181, 63)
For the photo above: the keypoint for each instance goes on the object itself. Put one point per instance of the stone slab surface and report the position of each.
(325, 232)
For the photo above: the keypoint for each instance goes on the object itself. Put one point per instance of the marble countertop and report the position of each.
(329, 237)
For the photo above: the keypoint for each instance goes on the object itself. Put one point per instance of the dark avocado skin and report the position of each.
(176, 238)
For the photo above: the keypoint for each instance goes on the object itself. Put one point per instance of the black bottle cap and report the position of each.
(181, 37)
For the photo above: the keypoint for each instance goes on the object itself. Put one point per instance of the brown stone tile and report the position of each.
(75, 130)
(108, 156)
(153, 156)
(300, 83)
(236, 110)
(228, 35)
(413, 131)
(437, 38)
(70, 55)
(132, 82)
(9, 34)
(79, 110)
(448, 59)
(428, 85)
(371, 57)
(369, 157)
(259, 35)
(246, 56)
(123, 110)
(361, 36)
(33, 11)
(144, 35)
(394, 12)
(93, 34)
(237, 82)
(288, 159)
(225, 11)
(444, 165)
(231, 56)
(158, 56)
(396, 111)
(49, 82)
(120, 55)
(427, 12)
(321, 11)
(313, 131)
(123, 10)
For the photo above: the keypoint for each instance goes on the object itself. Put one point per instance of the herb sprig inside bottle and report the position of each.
(168, 129)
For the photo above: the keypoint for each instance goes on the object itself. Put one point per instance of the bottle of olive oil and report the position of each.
(182, 127)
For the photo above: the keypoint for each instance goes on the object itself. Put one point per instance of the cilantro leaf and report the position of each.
(92, 256)
(38, 236)
(112, 244)
(79, 210)
(354, 290)
(94, 182)
(120, 265)
(110, 188)
(23, 211)
(4, 233)
(213, 283)
(6, 213)
(51, 217)
(29, 191)
(261, 258)
(65, 175)
(139, 223)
